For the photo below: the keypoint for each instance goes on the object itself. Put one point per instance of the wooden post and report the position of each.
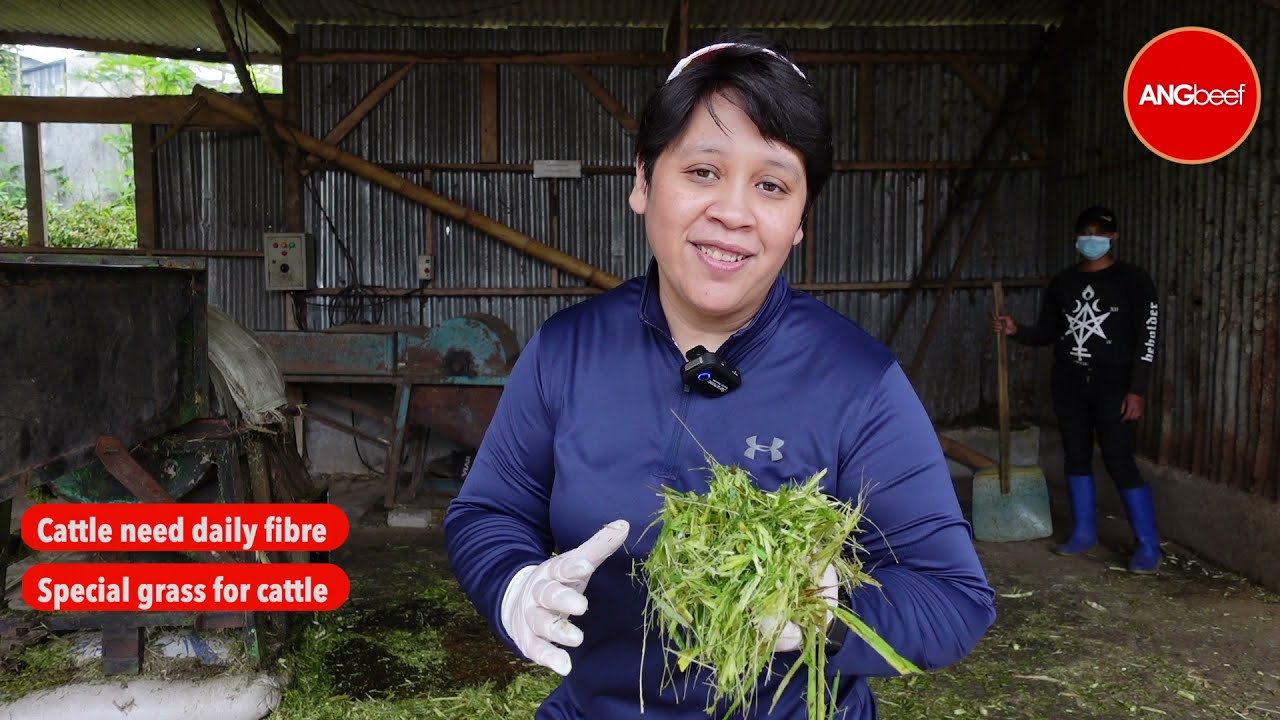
(261, 117)
(682, 34)
(144, 185)
(866, 110)
(489, 113)
(1002, 391)
(33, 170)
(810, 247)
(930, 206)
(553, 187)
(429, 226)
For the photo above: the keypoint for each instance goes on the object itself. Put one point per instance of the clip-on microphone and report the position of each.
(707, 374)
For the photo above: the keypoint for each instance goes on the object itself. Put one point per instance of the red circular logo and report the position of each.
(1192, 95)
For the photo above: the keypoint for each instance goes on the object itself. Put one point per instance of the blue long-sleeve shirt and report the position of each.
(585, 434)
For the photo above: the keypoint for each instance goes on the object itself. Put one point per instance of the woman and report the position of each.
(731, 153)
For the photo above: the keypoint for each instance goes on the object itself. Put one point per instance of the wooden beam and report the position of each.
(144, 184)
(988, 97)
(179, 126)
(630, 59)
(9, 37)
(158, 110)
(261, 117)
(156, 252)
(33, 172)
(605, 98)
(930, 207)
(642, 59)
(984, 208)
(902, 57)
(362, 109)
(397, 184)
(909, 165)
(267, 22)
(866, 109)
(489, 113)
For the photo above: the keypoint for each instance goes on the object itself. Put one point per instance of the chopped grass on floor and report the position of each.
(44, 665)
(430, 656)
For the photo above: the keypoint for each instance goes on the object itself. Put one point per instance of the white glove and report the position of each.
(792, 638)
(539, 597)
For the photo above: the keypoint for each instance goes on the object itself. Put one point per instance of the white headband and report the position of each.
(680, 66)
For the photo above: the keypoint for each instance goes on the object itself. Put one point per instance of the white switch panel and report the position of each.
(290, 261)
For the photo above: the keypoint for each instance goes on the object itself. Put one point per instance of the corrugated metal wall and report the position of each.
(1208, 234)
(869, 225)
(222, 191)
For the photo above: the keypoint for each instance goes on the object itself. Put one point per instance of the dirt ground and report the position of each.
(1075, 637)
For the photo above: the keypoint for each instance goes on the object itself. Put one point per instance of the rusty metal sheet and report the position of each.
(331, 353)
(461, 413)
(96, 345)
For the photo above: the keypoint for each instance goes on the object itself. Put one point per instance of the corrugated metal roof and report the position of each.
(169, 23)
(187, 23)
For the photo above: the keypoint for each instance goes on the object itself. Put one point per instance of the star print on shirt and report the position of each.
(1084, 322)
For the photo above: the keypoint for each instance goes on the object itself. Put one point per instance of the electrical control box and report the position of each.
(290, 261)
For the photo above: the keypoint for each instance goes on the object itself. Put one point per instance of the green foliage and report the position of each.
(138, 75)
(85, 224)
(8, 71)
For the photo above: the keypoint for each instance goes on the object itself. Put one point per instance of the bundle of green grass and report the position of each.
(727, 565)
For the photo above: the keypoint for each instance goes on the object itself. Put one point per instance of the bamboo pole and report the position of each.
(417, 193)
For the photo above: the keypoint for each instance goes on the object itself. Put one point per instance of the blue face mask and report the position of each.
(1093, 246)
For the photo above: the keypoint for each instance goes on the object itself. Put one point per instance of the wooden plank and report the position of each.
(952, 281)
(634, 59)
(161, 252)
(553, 200)
(179, 126)
(267, 22)
(158, 110)
(810, 247)
(866, 110)
(1002, 392)
(463, 58)
(10, 37)
(605, 98)
(988, 97)
(262, 118)
(907, 57)
(489, 113)
(907, 165)
(144, 185)
(930, 207)
(367, 104)
(33, 174)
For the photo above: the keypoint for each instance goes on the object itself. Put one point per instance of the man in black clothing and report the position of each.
(1101, 316)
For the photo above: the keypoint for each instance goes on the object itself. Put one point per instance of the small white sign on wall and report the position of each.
(557, 168)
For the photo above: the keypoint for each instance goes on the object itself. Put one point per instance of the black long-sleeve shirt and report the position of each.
(1102, 319)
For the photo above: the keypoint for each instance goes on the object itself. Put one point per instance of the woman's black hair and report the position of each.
(785, 107)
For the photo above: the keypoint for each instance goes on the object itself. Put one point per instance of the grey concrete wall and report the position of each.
(1232, 529)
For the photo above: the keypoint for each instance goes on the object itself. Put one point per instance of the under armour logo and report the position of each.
(775, 454)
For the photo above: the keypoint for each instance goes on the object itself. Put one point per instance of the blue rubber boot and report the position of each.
(1084, 511)
(1142, 518)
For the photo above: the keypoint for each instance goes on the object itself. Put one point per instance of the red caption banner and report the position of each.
(185, 587)
(184, 526)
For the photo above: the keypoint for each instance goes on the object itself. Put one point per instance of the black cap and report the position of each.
(1103, 217)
